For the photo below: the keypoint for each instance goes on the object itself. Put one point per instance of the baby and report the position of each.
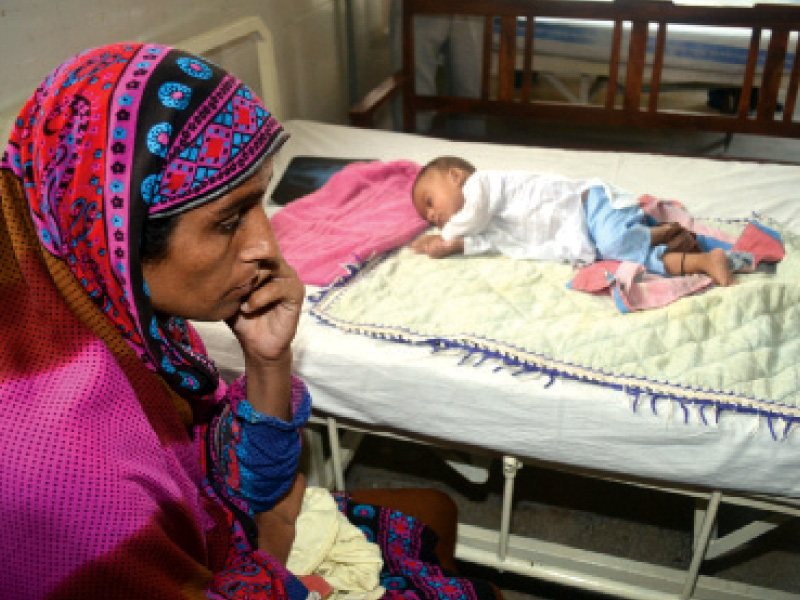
(550, 217)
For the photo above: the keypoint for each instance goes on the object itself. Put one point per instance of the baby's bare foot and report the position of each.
(717, 267)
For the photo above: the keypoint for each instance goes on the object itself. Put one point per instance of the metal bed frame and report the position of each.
(501, 94)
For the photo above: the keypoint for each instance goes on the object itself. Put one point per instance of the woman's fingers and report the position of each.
(267, 321)
(279, 287)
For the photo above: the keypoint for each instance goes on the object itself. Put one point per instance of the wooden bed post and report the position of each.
(773, 71)
(613, 66)
(749, 75)
(791, 92)
(634, 79)
(527, 70)
(658, 64)
(506, 64)
(486, 67)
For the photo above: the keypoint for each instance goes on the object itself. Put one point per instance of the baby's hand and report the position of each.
(436, 246)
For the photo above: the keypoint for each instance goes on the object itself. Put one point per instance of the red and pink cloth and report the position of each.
(633, 288)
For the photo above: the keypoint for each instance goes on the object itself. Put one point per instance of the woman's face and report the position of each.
(216, 255)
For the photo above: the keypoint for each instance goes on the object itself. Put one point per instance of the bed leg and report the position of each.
(336, 455)
(700, 546)
(510, 467)
(699, 518)
(318, 469)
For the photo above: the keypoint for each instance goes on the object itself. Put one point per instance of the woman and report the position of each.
(131, 201)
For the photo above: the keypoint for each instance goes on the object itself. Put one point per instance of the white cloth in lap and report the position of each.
(328, 545)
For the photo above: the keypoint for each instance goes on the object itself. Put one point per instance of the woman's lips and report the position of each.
(247, 288)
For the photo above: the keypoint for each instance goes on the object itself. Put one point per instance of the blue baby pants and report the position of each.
(621, 233)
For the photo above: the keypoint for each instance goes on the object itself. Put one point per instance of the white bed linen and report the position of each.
(409, 390)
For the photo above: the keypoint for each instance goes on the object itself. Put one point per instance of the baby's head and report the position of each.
(437, 193)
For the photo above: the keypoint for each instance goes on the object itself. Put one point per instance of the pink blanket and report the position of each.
(364, 209)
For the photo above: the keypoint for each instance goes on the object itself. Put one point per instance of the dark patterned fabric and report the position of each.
(411, 570)
(255, 456)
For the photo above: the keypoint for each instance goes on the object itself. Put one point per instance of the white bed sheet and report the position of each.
(407, 389)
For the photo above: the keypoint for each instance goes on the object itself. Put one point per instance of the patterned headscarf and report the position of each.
(105, 407)
(125, 133)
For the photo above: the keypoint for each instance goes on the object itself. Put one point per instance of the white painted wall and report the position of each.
(309, 39)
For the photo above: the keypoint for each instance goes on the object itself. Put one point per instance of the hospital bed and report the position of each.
(363, 385)
(637, 47)
(695, 56)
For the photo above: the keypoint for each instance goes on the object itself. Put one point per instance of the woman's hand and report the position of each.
(276, 528)
(265, 327)
(436, 246)
(267, 321)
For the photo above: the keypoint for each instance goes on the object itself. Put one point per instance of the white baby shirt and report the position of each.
(528, 215)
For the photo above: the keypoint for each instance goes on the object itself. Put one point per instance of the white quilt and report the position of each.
(732, 348)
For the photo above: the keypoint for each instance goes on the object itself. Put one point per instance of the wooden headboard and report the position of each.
(509, 63)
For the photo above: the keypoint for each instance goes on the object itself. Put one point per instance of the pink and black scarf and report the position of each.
(101, 482)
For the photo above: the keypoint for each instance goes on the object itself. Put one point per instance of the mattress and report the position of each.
(405, 389)
(692, 53)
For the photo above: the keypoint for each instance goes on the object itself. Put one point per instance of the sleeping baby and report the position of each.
(550, 217)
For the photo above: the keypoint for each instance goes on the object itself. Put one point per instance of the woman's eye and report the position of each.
(229, 225)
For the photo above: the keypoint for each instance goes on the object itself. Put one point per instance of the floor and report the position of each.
(596, 515)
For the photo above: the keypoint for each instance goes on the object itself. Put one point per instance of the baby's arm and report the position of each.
(436, 246)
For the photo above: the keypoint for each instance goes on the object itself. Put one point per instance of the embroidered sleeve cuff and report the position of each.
(301, 410)
(258, 454)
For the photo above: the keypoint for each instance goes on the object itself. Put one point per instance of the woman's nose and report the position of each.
(260, 243)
